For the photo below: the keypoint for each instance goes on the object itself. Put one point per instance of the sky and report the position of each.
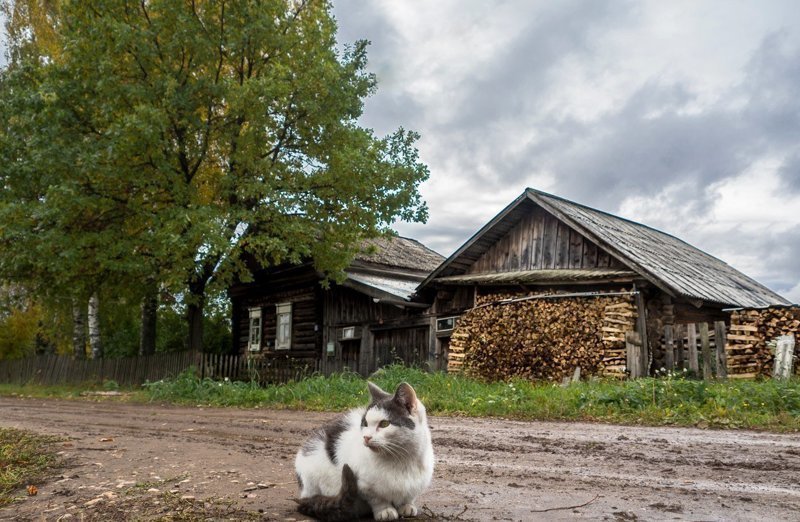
(682, 115)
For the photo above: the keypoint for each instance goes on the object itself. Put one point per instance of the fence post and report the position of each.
(691, 340)
(669, 348)
(705, 346)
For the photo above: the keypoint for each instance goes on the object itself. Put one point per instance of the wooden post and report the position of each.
(705, 346)
(641, 328)
(434, 358)
(633, 352)
(680, 353)
(720, 342)
(691, 340)
(669, 348)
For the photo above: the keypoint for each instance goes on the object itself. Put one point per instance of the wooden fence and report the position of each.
(135, 371)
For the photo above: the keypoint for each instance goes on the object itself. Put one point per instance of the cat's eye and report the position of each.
(383, 424)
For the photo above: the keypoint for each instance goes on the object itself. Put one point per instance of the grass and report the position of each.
(669, 400)
(25, 458)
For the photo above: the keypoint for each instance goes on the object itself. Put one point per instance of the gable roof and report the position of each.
(670, 263)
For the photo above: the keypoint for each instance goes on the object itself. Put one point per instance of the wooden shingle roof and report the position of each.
(671, 264)
(399, 252)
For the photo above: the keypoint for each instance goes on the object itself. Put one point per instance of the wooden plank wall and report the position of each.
(540, 241)
(406, 345)
(345, 307)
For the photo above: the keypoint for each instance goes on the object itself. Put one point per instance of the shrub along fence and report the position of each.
(133, 371)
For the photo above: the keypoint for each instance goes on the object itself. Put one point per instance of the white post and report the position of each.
(784, 353)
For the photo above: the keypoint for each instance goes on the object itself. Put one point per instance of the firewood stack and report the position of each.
(542, 338)
(618, 317)
(747, 349)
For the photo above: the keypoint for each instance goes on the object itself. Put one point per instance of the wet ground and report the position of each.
(124, 459)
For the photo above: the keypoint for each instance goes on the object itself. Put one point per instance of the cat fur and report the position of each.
(391, 465)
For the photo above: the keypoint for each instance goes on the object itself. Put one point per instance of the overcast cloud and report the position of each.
(681, 115)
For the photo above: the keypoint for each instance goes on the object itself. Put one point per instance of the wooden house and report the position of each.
(543, 244)
(366, 321)
(403, 302)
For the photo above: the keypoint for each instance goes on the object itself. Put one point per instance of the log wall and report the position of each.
(300, 287)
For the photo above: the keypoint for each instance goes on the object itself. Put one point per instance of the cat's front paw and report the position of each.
(408, 510)
(388, 513)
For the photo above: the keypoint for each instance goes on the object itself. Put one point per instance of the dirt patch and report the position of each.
(170, 463)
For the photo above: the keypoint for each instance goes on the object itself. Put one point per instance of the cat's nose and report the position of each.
(367, 438)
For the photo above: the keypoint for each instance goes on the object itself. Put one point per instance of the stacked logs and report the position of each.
(747, 350)
(618, 318)
(541, 338)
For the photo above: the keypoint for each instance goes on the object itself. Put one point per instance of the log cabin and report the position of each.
(366, 321)
(403, 301)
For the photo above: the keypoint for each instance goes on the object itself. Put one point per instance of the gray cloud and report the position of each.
(666, 133)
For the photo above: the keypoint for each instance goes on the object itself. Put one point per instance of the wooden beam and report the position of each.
(705, 346)
(691, 340)
(669, 348)
(720, 342)
(641, 328)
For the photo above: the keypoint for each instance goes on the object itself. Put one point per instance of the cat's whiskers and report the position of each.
(395, 450)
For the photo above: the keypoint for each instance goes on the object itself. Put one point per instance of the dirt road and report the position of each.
(495, 469)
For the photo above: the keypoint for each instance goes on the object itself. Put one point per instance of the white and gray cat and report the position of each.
(374, 460)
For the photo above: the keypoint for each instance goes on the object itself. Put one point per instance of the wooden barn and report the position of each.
(543, 245)
(365, 322)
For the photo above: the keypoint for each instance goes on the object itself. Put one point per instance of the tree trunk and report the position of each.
(195, 318)
(78, 330)
(147, 331)
(95, 340)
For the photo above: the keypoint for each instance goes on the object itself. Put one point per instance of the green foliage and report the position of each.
(173, 140)
(18, 331)
(24, 459)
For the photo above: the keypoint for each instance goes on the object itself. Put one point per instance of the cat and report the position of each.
(374, 460)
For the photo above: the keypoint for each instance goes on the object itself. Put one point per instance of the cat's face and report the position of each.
(390, 424)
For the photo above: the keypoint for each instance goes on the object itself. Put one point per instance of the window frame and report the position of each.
(283, 310)
(254, 329)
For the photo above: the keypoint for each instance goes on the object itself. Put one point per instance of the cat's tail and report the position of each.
(336, 508)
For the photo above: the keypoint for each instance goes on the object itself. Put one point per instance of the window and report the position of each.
(254, 344)
(283, 336)
(446, 323)
(349, 332)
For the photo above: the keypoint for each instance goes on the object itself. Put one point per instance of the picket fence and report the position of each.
(58, 370)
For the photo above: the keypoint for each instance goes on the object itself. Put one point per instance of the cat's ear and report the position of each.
(406, 396)
(376, 393)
